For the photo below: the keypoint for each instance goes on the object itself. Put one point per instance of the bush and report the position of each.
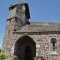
(2, 56)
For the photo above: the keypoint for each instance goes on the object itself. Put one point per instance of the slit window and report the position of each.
(53, 41)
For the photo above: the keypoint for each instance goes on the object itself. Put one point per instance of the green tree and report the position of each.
(2, 56)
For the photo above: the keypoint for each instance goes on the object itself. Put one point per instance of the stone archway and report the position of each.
(25, 48)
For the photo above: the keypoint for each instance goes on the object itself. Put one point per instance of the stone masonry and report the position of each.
(42, 39)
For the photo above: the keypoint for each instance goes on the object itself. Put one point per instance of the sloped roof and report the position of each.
(17, 4)
(40, 27)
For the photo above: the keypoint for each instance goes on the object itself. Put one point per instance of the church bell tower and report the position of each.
(19, 15)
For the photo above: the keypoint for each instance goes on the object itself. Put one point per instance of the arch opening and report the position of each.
(25, 48)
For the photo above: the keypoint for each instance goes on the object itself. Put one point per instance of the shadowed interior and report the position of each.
(25, 48)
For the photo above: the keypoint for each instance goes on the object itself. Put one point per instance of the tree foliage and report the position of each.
(2, 55)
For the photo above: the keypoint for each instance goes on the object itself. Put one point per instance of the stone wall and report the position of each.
(44, 46)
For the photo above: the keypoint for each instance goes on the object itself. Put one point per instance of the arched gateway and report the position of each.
(25, 48)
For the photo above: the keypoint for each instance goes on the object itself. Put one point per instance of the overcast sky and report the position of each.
(40, 11)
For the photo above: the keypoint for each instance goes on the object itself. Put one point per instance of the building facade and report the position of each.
(30, 40)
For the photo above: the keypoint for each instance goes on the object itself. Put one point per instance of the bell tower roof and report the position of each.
(13, 5)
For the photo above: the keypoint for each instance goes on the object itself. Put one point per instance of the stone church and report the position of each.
(30, 40)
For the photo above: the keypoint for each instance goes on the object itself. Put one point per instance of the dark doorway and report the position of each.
(28, 53)
(25, 48)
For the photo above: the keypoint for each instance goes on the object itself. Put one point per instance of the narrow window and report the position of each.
(15, 19)
(53, 41)
(8, 31)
